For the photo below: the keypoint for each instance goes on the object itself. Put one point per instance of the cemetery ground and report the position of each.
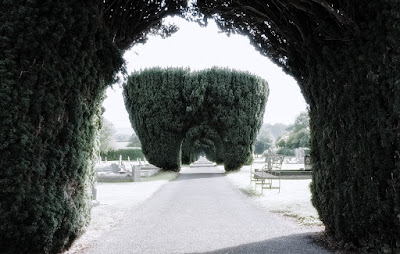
(117, 200)
(293, 200)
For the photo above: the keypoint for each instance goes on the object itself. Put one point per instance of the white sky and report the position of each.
(200, 48)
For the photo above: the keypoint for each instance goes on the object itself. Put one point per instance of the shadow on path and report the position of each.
(293, 244)
(186, 176)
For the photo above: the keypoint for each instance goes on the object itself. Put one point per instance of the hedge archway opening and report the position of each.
(58, 57)
(205, 141)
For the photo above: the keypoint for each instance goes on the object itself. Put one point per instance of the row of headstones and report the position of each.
(134, 176)
(120, 161)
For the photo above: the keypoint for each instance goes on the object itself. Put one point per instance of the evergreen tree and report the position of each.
(56, 63)
(164, 105)
(345, 58)
(57, 58)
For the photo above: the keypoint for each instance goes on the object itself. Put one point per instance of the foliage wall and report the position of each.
(164, 104)
(55, 63)
(345, 56)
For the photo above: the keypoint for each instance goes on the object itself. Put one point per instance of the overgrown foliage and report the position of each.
(345, 56)
(164, 104)
(129, 22)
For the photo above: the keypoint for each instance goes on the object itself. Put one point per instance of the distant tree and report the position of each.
(276, 130)
(134, 141)
(297, 135)
(122, 137)
(264, 136)
(299, 132)
(259, 147)
(107, 132)
(281, 141)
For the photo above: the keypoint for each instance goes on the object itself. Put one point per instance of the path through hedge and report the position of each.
(201, 211)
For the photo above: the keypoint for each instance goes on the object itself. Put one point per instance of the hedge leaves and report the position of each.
(219, 111)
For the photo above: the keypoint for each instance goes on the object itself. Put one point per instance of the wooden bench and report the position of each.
(269, 176)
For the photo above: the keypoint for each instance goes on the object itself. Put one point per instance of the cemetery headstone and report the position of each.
(114, 168)
(136, 173)
(307, 162)
(299, 155)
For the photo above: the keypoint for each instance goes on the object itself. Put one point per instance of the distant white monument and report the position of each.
(299, 152)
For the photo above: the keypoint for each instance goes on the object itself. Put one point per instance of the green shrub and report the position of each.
(113, 155)
(165, 104)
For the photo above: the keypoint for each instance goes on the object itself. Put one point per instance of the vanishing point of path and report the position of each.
(202, 212)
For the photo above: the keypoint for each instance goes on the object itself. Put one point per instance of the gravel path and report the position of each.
(202, 212)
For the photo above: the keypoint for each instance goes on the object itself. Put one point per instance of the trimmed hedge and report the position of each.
(345, 56)
(355, 134)
(57, 57)
(56, 61)
(113, 155)
(164, 104)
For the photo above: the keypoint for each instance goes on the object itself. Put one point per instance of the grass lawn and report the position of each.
(294, 198)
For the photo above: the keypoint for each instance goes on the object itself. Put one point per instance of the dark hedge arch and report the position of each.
(57, 57)
(202, 139)
(56, 60)
(345, 56)
(164, 104)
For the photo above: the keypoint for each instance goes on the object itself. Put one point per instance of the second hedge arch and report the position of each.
(164, 104)
(202, 139)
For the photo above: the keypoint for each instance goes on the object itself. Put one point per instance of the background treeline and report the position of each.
(284, 139)
(164, 104)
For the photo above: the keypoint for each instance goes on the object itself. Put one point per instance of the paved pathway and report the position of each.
(202, 212)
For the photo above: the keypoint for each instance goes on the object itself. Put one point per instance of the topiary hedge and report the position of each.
(164, 104)
(113, 155)
(56, 61)
(56, 58)
(345, 56)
